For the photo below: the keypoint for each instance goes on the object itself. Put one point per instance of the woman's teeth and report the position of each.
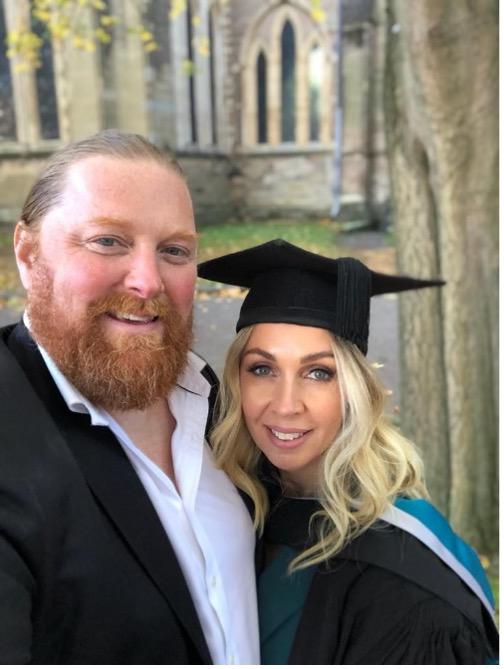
(287, 436)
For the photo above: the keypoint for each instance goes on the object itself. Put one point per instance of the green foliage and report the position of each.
(62, 21)
(5, 240)
(494, 582)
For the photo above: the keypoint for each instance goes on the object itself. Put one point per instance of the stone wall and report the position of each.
(17, 173)
(210, 182)
(295, 184)
(123, 87)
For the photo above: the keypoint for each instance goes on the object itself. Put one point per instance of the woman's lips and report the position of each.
(286, 437)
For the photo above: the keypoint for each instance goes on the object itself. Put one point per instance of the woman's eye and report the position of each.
(259, 370)
(320, 374)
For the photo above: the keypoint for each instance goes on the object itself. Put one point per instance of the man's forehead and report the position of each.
(100, 168)
(123, 178)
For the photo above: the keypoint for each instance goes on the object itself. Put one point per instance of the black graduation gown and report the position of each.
(385, 599)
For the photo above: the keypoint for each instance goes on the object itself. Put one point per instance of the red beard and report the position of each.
(126, 372)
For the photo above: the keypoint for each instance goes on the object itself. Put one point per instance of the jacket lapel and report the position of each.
(116, 486)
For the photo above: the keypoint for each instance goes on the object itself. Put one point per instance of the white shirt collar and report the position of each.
(190, 379)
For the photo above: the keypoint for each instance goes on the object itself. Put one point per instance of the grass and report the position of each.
(5, 240)
(492, 572)
(319, 236)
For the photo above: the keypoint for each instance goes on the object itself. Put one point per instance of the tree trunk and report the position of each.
(441, 103)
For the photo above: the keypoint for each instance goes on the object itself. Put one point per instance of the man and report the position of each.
(120, 542)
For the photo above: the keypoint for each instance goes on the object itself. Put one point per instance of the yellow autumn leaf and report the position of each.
(203, 46)
(485, 562)
(103, 36)
(108, 20)
(177, 8)
(42, 15)
(146, 35)
(187, 67)
(318, 15)
(27, 65)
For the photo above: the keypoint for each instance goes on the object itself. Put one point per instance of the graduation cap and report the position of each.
(290, 285)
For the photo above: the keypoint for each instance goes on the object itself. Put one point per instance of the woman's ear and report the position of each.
(25, 249)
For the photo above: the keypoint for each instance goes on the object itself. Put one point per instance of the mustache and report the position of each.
(160, 306)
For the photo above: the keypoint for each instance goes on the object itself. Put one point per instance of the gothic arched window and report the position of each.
(7, 115)
(315, 74)
(288, 83)
(46, 88)
(190, 59)
(262, 100)
(213, 106)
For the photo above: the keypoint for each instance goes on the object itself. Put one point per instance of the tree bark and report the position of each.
(441, 103)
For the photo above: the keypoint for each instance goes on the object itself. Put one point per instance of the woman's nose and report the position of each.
(287, 397)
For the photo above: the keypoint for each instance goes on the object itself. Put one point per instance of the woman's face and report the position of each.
(291, 398)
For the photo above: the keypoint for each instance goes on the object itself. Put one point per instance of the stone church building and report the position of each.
(251, 94)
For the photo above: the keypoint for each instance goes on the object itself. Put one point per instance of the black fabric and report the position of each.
(87, 574)
(212, 379)
(385, 599)
(290, 285)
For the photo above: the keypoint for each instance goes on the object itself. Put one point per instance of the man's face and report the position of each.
(113, 274)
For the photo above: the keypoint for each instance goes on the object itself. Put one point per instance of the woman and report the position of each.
(350, 570)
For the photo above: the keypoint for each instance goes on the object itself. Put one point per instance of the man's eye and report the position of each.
(106, 244)
(106, 241)
(320, 374)
(176, 252)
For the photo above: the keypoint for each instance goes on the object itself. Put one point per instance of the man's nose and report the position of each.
(287, 397)
(143, 277)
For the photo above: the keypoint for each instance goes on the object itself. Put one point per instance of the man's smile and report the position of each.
(132, 318)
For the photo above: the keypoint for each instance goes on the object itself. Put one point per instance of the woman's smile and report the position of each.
(287, 437)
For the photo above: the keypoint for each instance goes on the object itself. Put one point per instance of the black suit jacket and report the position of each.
(87, 574)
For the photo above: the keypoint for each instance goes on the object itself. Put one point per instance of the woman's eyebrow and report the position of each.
(306, 358)
(315, 356)
(259, 351)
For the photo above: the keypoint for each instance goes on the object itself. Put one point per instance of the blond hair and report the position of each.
(47, 190)
(367, 466)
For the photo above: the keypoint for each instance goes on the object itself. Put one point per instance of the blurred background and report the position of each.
(349, 127)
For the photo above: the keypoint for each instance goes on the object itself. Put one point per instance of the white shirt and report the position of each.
(207, 524)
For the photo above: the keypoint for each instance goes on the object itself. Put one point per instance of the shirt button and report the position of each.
(213, 581)
(232, 660)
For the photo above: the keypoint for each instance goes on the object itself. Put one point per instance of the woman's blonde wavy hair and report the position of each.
(367, 466)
